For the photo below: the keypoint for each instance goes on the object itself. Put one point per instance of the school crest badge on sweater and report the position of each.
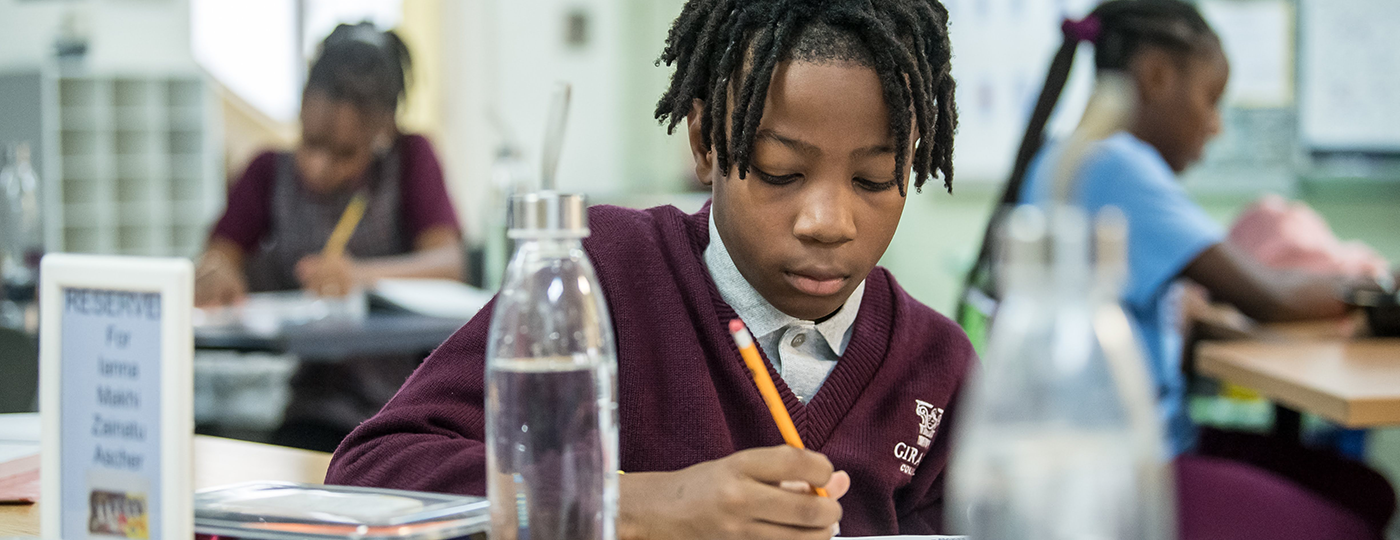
(929, 419)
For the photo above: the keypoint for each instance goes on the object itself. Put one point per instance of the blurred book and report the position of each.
(19, 428)
(19, 480)
(266, 313)
(433, 297)
(19, 458)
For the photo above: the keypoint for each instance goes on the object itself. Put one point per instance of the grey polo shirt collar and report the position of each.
(803, 352)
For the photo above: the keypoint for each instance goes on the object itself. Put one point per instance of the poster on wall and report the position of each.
(999, 79)
(116, 397)
(1350, 75)
(1258, 40)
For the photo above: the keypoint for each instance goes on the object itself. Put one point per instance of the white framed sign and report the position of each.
(116, 351)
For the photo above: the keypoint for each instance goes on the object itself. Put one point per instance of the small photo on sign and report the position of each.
(118, 514)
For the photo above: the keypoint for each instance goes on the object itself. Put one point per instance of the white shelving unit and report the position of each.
(130, 163)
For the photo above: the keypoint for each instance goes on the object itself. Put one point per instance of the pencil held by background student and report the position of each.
(273, 234)
(332, 277)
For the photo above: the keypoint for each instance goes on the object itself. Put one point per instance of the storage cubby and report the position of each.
(137, 158)
(81, 240)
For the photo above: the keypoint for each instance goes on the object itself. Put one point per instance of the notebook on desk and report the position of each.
(266, 313)
(433, 297)
(19, 479)
(19, 458)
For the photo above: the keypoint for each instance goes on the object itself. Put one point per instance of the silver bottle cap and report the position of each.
(546, 214)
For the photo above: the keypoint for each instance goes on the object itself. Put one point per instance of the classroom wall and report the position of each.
(465, 144)
(145, 36)
(533, 56)
(422, 29)
(501, 60)
(654, 162)
(939, 234)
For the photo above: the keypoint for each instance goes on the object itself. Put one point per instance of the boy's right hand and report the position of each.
(739, 496)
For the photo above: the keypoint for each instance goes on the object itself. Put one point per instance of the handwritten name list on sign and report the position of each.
(111, 349)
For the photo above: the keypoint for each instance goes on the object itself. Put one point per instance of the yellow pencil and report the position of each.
(335, 245)
(749, 352)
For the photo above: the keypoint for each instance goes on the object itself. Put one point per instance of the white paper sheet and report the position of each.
(19, 435)
(19, 428)
(13, 451)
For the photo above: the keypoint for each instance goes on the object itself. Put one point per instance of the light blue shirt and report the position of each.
(1166, 231)
(803, 352)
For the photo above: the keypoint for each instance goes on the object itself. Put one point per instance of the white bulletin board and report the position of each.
(1258, 36)
(1350, 75)
(1001, 51)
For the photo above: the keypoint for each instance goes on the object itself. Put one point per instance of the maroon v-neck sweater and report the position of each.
(684, 395)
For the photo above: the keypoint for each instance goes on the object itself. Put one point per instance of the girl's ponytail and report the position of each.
(1119, 29)
(1075, 32)
(981, 279)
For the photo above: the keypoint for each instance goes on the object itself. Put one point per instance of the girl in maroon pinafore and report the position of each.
(284, 207)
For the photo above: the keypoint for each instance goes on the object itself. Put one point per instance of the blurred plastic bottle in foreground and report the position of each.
(551, 378)
(24, 241)
(21, 234)
(1060, 439)
(509, 178)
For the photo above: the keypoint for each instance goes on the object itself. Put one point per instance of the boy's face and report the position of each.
(820, 204)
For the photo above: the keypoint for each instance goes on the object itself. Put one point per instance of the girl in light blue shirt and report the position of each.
(1180, 70)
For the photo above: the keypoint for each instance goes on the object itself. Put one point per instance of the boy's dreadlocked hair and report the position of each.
(904, 41)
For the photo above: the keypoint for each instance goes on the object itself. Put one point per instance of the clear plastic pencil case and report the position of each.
(290, 511)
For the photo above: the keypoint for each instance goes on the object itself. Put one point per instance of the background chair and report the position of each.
(19, 372)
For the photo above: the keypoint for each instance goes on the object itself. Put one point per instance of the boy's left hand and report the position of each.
(327, 276)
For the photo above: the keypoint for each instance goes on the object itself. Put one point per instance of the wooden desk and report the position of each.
(1354, 383)
(216, 462)
(1350, 327)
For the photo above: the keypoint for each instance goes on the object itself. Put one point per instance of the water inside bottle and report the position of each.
(552, 455)
(1022, 479)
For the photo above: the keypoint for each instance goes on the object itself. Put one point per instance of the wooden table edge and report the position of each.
(23, 519)
(1214, 359)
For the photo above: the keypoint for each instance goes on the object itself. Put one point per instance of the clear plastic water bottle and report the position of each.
(20, 226)
(1055, 443)
(1123, 350)
(21, 235)
(508, 177)
(551, 378)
